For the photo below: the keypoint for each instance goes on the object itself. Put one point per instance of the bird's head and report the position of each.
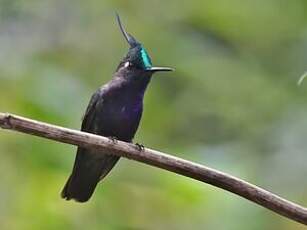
(137, 56)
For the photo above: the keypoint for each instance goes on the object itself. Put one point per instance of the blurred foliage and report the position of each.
(231, 104)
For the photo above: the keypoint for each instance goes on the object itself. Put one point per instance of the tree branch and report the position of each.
(158, 159)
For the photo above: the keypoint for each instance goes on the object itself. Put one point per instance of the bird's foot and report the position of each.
(140, 147)
(113, 139)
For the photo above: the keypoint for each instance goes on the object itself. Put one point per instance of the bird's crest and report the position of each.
(137, 54)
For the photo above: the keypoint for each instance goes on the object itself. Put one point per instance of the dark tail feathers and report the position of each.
(88, 170)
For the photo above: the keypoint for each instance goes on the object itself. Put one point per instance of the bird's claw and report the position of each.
(139, 147)
(113, 139)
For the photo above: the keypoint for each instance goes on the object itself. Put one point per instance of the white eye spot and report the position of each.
(127, 64)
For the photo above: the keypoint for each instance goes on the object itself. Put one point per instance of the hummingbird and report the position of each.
(114, 111)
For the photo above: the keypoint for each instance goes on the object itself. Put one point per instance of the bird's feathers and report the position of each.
(103, 116)
(114, 110)
(89, 168)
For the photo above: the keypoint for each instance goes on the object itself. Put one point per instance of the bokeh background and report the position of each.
(232, 104)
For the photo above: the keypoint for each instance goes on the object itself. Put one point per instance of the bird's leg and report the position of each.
(113, 139)
(139, 147)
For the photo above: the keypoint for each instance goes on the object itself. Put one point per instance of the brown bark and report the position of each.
(158, 159)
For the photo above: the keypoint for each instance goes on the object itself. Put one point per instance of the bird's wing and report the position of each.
(90, 166)
(89, 114)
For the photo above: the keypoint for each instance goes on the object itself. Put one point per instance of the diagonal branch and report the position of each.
(158, 159)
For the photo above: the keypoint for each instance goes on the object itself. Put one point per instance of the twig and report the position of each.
(299, 82)
(158, 159)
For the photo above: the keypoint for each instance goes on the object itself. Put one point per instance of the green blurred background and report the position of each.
(232, 104)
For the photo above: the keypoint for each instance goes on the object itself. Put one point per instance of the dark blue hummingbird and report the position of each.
(114, 110)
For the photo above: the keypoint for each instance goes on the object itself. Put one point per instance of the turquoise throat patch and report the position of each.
(145, 58)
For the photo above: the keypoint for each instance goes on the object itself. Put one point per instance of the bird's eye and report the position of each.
(127, 64)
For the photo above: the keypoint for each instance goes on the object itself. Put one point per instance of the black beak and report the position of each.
(160, 69)
(130, 39)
